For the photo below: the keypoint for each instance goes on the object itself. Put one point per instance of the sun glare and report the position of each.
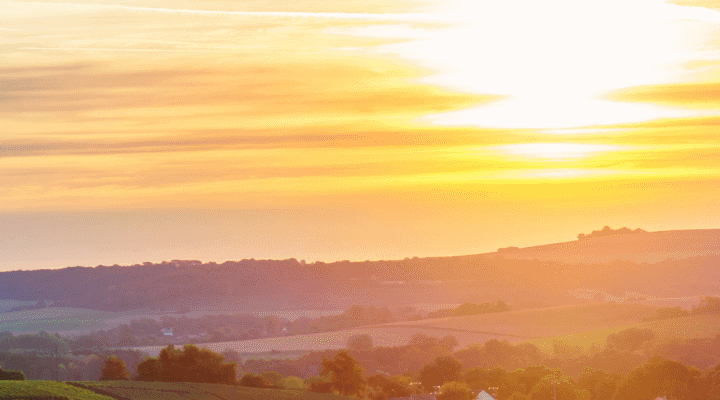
(552, 60)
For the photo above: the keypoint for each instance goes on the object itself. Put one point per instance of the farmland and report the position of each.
(692, 326)
(514, 326)
(200, 391)
(45, 390)
(70, 321)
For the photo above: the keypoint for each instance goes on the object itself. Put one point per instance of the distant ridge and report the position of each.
(640, 247)
(665, 263)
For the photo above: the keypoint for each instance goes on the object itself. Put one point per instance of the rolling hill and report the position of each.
(45, 390)
(680, 263)
(198, 391)
(642, 247)
(513, 326)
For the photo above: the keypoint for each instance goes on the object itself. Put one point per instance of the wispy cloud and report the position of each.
(689, 95)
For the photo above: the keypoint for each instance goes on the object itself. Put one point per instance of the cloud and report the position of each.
(711, 4)
(688, 95)
(322, 90)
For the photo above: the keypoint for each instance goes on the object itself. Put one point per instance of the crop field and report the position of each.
(201, 391)
(45, 390)
(381, 335)
(693, 326)
(514, 326)
(53, 319)
(7, 304)
(68, 320)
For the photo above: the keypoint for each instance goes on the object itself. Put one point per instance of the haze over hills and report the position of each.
(669, 263)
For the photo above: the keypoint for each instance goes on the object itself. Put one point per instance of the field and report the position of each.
(693, 326)
(45, 390)
(201, 391)
(514, 326)
(650, 247)
(8, 304)
(72, 321)
(54, 319)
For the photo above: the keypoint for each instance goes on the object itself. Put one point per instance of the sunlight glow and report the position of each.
(555, 151)
(553, 59)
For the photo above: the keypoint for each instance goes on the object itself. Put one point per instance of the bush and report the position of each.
(454, 391)
(191, 364)
(360, 343)
(114, 370)
(253, 380)
(11, 375)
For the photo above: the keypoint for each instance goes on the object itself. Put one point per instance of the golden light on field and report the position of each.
(410, 123)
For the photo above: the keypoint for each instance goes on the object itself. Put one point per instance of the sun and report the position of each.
(554, 60)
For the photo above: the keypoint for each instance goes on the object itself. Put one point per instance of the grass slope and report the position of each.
(202, 391)
(53, 319)
(514, 326)
(642, 247)
(693, 326)
(45, 390)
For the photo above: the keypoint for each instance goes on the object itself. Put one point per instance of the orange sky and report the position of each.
(322, 130)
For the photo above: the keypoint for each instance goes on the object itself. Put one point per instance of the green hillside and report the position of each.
(45, 390)
(200, 391)
(692, 326)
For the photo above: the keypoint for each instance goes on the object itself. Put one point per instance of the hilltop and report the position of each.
(640, 247)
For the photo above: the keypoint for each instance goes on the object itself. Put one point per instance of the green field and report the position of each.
(514, 326)
(693, 326)
(45, 390)
(201, 391)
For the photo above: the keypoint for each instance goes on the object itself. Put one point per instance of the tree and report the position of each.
(443, 369)
(454, 391)
(449, 341)
(526, 379)
(599, 383)
(292, 382)
(344, 374)
(190, 364)
(630, 339)
(272, 377)
(149, 370)
(360, 343)
(553, 387)
(253, 380)
(389, 387)
(114, 369)
(708, 305)
(231, 355)
(659, 378)
(11, 375)
(319, 384)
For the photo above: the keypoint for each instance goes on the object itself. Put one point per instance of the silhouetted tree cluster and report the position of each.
(360, 342)
(44, 356)
(444, 369)
(629, 340)
(344, 374)
(254, 380)
(114, 369)
(607, 231)
(11, 375)
(189, 364)
(382, 387)
(708, 305)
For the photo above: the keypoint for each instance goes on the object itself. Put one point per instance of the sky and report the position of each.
(361, 129)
